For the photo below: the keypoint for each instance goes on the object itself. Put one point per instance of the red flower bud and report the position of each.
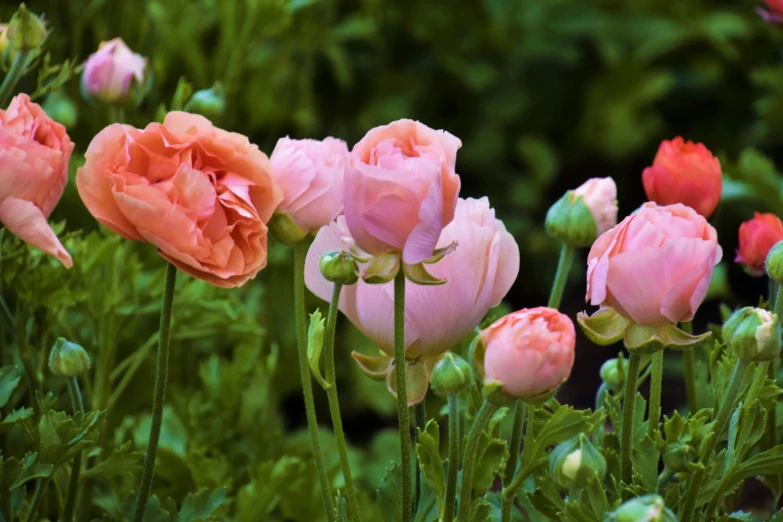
(756, 237)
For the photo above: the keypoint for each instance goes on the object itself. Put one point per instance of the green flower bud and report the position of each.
(285, 229)
(26, 31)
(339, 266)
(574, 462)
(208, 102)
(678, 455)
(451, 375)
(61, 109)
(571, 221)
(612, 375)
(752, 334)
(649, 508)
(775, 263)
(68, 359)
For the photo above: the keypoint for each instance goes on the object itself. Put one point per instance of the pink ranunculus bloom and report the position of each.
(200, 194)
(479, 272)
(311, 174)
(530, 351)
(655, 266)
(111, 72)
(401, 189)
(34, 155)
(600, 196)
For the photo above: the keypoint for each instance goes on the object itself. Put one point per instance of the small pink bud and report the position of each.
(113, 74)
(600, 196)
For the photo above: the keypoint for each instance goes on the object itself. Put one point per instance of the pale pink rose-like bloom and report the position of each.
(600, 196)
(200, 194)
(655, 266)
(110, 72)
(34, 155)
(479, 272)
(311, 174)
(530, 352)
(401, 189)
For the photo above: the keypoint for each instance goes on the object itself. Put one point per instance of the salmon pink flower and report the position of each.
(756, 238)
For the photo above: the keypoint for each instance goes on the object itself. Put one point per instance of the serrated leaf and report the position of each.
(315, 344)
(123, 461)
(14, 418)
(201, 505)
(490, 459)
(482, 512)
(390, 494)
(28, 469)
(645, 459)
(745, 429)
(430, 463)
(9, 380)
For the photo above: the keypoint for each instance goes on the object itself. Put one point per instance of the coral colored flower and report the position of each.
(655, 266)
(200, 194)
(775, 14)
(111, 73)
(530, 351)
(479, 272)
(684, 172)
(311, 174)
(756, 238)
(600, 196)
(34, 155)
(401, 189)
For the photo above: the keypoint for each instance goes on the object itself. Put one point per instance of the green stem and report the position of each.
(689, 362)
(11, 79)
(402, 395)
(730, 396)
(771, 430)
(656, 379)
(76, 467)
(454, 440)
(664, 479)
(420, 423)
(300, 253)
(759, 376)
(510, 490)
(629, 405)
(334, 403)
(38, 494)
(117, 114)
(511, 465)
(561, 276)
(771, 292)
(159, 394)
(466, 490)
(600, 399)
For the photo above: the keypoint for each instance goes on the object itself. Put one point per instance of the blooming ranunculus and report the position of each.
(200, 194)
(655, 266)
(479, 273)
(111, 72)
(34, 155)
(757, 236)
(310, 173)
(776, 6)
(530, 352)
(684, 172)
(600, 196)
(401, 189)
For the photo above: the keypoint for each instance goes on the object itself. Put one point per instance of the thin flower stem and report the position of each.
(13, 76)
(159, 394)
(600, 400)
(334, 403)
(511, 465)
(38, 494)
(689, 362)
(656, 379)
(771, 435)
(420, 423)
(402, 395)
(529, 445)
(730, 397)
(629, 405)
(76, 468)
(561, 276)
(466, 489)
(454, 440)
(300, 253)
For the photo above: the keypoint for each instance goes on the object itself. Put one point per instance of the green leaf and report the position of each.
(123, 462)
(490, 459)
(14, 418)
(269, 483)
(482, 512)
(26, 470)
(646, 457)
(201, 505)
(745, 429)
(9, 380)
(430, 463)
(315, 343)
(390, 495)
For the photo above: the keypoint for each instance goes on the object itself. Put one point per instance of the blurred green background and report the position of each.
(543, 93)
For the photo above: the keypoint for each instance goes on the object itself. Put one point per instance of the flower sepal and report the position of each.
(651, 339)
(440, 253)
(284, 229)
(382, 268)
(604, 327)
(375, 368)
(417, 378)
(418, 274)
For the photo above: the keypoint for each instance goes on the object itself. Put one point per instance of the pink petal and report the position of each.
(27, 222)
(424, 236)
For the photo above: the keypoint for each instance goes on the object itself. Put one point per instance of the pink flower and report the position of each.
(401, 189)
(600, 196)
(111, 72)
(200, 194)
(479, 272)
(311, 174)
(655, 266)
(530, 351)
(684, 172)
(757, 236)
(34, 155)
(776, 6)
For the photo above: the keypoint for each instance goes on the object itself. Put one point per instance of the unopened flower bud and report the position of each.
(114, 74)
(775, 263)
(339, 266)
(451, 375)
(612, 375)
(678, 455)
(285, 230)
(208, 102)
(649, 508)
(68, 359)
(575, 462)
(583, 214)
(26, 31)
(752, 334)
(3, 38)
(61, 109)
